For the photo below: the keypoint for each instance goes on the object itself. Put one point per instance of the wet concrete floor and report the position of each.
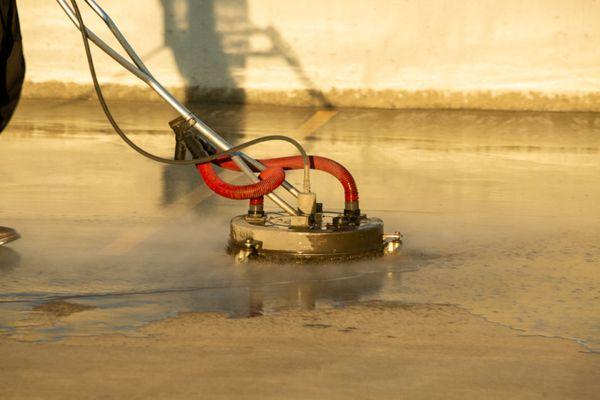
(499, 212)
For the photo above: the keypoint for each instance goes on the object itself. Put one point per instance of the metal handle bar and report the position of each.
(138, 69)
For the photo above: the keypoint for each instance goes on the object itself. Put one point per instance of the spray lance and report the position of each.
(301, 232)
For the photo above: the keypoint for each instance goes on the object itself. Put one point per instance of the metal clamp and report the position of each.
(251, 249)
(392, 243)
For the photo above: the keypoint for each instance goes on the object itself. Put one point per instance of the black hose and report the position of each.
(151, 156)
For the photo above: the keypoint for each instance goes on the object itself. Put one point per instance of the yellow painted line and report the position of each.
(130, 238)
(315, 122)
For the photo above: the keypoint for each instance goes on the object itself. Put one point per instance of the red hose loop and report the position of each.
(295, 162)
(271, 178)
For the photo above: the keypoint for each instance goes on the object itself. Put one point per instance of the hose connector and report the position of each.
(307, 202)
(256, 208)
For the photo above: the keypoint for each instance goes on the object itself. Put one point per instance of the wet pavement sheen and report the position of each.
(499, 213)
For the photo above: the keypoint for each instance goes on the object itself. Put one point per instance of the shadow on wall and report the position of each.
(211, 43)
(210, 40)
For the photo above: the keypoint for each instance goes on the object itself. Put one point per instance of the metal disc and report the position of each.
(274, 236)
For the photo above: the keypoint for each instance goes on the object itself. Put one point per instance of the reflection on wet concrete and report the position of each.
(499, 213)
(9, 259)
(251, 294)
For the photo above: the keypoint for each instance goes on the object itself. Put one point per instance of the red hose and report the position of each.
(271, 178)
(296, 162)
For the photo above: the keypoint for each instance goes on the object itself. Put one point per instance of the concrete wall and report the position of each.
(510, 54)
